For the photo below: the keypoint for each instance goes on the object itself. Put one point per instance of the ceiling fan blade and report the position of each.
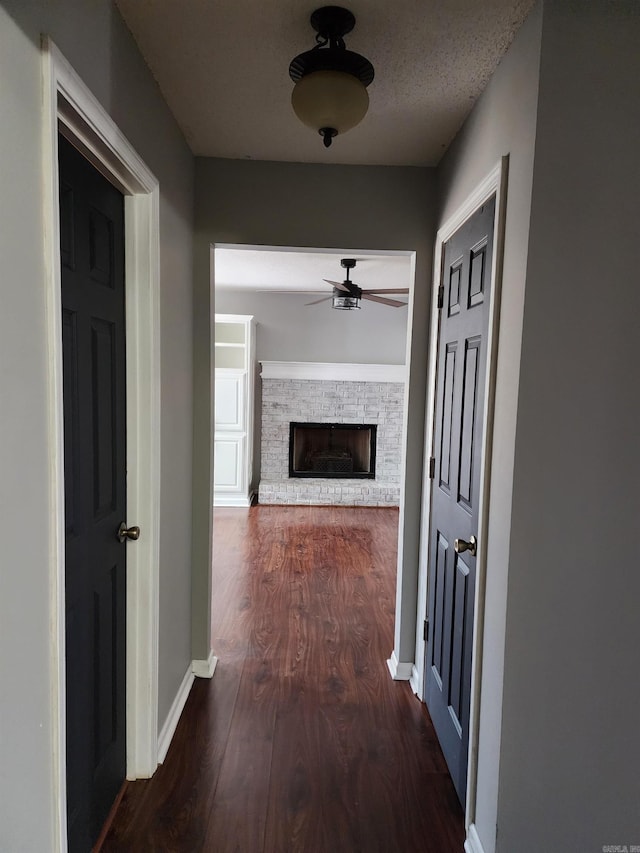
(271, 290)
(337, 284)
(386, 290)
(394, 303)
(317, 301)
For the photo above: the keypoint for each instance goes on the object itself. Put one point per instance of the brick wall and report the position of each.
(330, 401)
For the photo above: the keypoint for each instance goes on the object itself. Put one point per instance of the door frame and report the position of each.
(494, 183)
(71, 108)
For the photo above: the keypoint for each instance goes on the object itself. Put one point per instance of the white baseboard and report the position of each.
(166, 735)
(414, 681)
(399, 671)
(204, 668)
(473, 843)
(232, 500)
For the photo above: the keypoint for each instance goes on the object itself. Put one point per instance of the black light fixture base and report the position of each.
(348, 263)
(332, 22)
(331, 59)
(330, 53)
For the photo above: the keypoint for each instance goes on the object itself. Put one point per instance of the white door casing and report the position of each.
(70, 107)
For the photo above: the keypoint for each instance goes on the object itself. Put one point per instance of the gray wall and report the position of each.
(290, 204)
(502, 122)
(569, 776)
(95, 41)
(290, 331)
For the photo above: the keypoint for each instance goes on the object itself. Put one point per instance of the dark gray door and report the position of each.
(93, 320)
(460, 394)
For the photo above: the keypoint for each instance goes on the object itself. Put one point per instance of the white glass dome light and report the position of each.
(330, 95)
(330, 99)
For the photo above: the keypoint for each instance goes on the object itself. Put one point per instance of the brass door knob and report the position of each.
(125, 532)
(461, 545)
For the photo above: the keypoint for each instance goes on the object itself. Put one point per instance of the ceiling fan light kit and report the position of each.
(345, 303)
(347, 294)
(330, 94)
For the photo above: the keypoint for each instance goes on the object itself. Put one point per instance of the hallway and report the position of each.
(301, 742)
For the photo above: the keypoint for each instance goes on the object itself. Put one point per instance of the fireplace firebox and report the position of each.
(347, 451)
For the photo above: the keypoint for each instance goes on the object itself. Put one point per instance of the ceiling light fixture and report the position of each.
(330, 94)
(345, 303)
(346, 295)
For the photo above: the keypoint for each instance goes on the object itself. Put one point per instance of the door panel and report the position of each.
(468, 421)
(103, 390)
(462, 355)
(447, 413)
(93, 328)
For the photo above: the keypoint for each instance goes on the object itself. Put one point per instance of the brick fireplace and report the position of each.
(348, 409)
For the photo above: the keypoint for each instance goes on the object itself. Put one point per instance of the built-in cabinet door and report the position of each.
(228, 464)
(230, 403)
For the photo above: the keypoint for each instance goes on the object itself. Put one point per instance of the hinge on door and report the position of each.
(432, 467)
(441, 296)
(425, 631)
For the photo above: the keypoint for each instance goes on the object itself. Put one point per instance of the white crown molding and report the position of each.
(234, 318)
(329, 371)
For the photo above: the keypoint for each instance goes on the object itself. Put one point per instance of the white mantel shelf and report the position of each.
(330, 371)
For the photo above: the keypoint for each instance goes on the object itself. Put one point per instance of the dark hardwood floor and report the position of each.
(301, 742)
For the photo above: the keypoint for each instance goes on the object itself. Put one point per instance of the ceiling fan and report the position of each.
(347, 295)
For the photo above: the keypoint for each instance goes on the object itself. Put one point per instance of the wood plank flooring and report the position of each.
(301, 742)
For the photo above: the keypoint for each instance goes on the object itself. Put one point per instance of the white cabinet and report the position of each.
(228, 467)
(230, 399)
(234, 391)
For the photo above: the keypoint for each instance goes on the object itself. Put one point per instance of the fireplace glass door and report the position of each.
(347, 451)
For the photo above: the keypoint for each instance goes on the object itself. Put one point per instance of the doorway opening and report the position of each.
(317, 360)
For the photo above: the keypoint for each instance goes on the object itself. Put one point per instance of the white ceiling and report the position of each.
(222, 66)
(272, 269)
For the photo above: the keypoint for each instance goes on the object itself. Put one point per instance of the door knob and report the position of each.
(125, 532)
(461, 545)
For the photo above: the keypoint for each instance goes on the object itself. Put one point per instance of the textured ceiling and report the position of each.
(222, 66)
(250, 269)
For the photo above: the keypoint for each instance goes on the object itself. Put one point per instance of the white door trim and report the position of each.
(70, 107)
(494, 183)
